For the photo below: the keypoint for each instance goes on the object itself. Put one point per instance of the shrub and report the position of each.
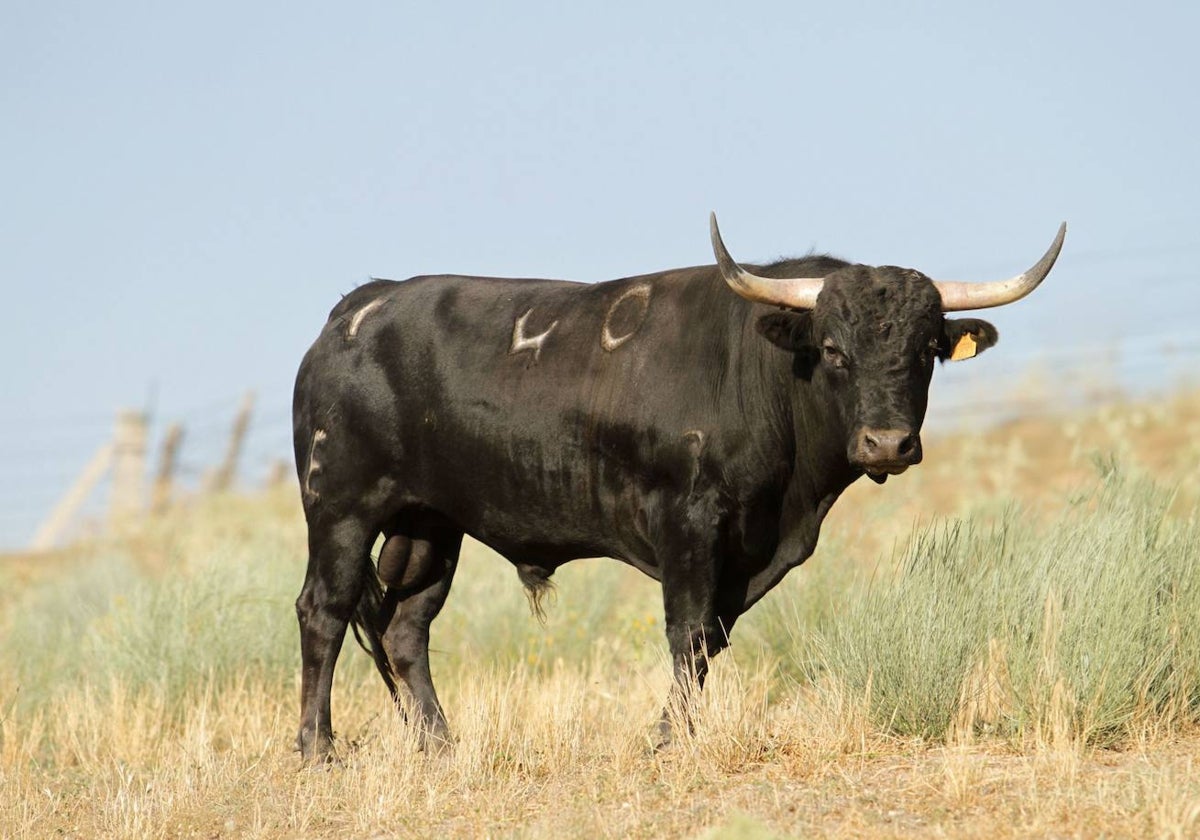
(1085, 627)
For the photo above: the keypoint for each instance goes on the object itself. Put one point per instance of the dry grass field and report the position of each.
(1003, 642)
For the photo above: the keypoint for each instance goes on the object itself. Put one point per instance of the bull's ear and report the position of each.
(789, 330)
(965, 338)
(792, 331)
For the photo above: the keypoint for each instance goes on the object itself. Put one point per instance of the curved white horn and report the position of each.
(792, 292)
(957, 296)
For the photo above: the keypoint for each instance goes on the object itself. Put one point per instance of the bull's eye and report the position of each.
(832, 354)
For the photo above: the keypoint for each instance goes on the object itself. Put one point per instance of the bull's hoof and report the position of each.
(435, 741)
(664, 738)
(316, 749)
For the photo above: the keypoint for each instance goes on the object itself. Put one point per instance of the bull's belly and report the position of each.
(531, 518)
(530, 530)
(549, 555)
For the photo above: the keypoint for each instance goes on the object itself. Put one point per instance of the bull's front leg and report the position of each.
(694, 633)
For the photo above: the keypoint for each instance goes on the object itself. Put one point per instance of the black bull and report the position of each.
(696, 434)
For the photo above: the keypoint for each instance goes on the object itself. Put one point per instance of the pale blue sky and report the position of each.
(187, 188)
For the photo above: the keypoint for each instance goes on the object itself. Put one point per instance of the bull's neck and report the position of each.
(809, 423)
(820, 434)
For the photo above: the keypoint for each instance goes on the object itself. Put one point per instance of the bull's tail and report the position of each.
(366, 619)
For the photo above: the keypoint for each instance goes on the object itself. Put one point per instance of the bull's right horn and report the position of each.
(792, 292)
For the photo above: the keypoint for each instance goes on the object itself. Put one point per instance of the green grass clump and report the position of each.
(193, 626)
(1086, 627)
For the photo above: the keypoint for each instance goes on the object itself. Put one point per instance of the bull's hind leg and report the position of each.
(419, 570)
(338, 557)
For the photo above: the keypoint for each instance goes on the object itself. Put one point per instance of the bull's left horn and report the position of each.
(957, 296)
(792, 292)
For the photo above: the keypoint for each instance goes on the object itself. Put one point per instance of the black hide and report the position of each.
(660, 420)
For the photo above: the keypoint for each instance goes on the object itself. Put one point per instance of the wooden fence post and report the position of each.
(168, 460)
(277, 473)
(127, 497)
(59, 521)
(223, 478)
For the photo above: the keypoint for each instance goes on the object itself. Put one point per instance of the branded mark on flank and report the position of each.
(694, 440)
(625, 316)
(356, 321)
(522, 342)
(314, 465)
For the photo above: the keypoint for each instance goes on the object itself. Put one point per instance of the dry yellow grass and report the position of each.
(552, 724)
(557, 755)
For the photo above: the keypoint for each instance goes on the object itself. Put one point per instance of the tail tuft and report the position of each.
(365, 623)
(538, 585)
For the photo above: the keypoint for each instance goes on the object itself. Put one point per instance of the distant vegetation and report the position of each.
(1003, 641)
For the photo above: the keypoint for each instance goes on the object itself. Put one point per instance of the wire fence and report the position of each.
(52, 450)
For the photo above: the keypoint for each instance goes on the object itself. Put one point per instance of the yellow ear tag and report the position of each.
(964, 348)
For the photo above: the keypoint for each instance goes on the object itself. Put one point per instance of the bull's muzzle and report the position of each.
(885, 451)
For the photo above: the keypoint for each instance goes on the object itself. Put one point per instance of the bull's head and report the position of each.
(872, 335)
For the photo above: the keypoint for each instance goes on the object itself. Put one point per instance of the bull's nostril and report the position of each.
(871, 441)
(908, 445)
